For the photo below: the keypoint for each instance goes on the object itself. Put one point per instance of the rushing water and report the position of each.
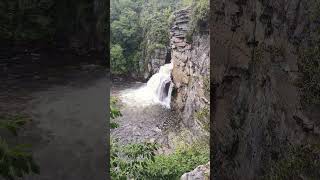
(157, 90)
(145, 109)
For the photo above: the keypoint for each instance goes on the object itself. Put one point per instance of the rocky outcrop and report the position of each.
(202, 172)
(190, 73)
(157, 58)
(257, 111)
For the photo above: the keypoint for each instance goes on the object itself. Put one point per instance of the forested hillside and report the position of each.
(78, 25)
(160, 128)
(138, 29)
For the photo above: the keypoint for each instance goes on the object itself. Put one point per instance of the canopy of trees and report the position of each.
(54, 21)
(137, 28)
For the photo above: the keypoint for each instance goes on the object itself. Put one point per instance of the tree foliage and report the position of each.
(53, 21)
(299, 161)
(118, 62)
(139, 161)
(139, 27)
(25, 19)
(199, 16)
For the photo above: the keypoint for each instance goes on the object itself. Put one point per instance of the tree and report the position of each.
(118, 62)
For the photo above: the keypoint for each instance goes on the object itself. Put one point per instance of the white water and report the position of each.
(157, 90)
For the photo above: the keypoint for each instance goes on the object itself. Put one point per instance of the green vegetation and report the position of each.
(139, 161)
(206, 83)
(114, 112)
(309, 62)
(118, 62)
(200, 12)
(138, 27)
(199, 16)
(259, 53)
(15, 160)
(155, 24)
(203, 115)
(174, 165)
(130, 160)
(299, 161)
(53, 21)
(25, 20)
(310, 83)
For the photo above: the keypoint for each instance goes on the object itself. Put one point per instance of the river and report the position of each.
(68, 107)
(146, 114)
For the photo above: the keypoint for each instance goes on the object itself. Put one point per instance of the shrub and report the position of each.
(15, 161)
(129, 161)
(140, 162)
(300, 161)
(310, 68)
(118, 61)
(174, 165)
(114, 112)
(203, 115)
(200, 12)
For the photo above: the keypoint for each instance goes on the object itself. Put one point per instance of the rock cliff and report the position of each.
(255, 68)
(190, 72)
(158, 58)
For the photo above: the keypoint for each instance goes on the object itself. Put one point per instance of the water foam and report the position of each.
(157, 90)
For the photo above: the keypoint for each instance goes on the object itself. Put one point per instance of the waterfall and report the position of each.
(160, 85)
(157, 90)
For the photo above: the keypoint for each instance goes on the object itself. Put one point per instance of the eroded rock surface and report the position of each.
(157, 58)
(257, 105)
(190, 73)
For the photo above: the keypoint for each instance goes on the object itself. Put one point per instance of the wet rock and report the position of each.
(140, 123)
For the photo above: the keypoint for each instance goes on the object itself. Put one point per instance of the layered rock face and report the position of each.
(254, 71)
(190, 73)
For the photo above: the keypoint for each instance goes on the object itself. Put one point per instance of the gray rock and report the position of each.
(188, 99)
(254, 52)
(202, 172)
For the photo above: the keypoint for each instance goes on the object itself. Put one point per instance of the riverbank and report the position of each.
(143, 121)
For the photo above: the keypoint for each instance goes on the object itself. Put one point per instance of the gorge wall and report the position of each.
(191, 93)
(157, 58)
(255, 68)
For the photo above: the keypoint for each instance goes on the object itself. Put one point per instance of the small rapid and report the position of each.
(156, 91)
